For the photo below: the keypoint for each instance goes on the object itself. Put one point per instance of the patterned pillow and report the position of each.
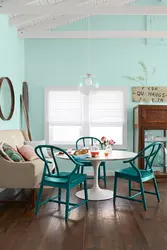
(3, 154)
(10, 153)
(27, 152)
(35, 144)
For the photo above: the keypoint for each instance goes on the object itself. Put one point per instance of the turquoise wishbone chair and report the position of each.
(90, 141)
(140, 176)
(60, 180)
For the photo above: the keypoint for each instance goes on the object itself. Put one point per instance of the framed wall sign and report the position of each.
(149, 94)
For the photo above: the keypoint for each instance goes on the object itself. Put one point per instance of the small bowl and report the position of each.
(106, 154)
(94, 153)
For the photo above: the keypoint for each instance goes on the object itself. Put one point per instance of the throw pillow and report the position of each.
(37, 143)
(11, 153)
(27, 152)
(3, 154)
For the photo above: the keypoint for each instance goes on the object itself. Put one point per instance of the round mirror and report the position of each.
(7, 100)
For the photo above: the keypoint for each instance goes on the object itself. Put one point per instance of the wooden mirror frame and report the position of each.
(12, 101)
(25, 106)
(25, 95)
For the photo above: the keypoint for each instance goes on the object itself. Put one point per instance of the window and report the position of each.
(70, 115)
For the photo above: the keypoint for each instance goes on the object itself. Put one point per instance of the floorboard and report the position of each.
(102, 227)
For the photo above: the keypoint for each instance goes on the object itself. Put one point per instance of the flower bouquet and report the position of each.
(107, 142)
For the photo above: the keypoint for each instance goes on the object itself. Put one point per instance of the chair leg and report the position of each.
(104, 175)
(130, 187)
(99, 173)
(67, 203)
(115, 189)
(78, 171)
(34, 197)
(59, 195)
(143, 196)
(82, 171)
(38, 199)
(156, 189)
(86, 193)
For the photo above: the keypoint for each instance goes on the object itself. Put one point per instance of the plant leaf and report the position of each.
(130, 78)
(154, 70)
(140, 78)
(144, 68)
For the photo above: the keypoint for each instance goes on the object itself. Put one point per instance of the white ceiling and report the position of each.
(38, 18)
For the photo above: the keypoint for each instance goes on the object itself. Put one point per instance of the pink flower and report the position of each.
(103, 139)
(111, 142)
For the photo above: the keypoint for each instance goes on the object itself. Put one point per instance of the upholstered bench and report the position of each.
(19, 175)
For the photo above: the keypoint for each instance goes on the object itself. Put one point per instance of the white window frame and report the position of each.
(86, 100)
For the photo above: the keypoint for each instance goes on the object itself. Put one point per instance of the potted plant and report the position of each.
(141, 79)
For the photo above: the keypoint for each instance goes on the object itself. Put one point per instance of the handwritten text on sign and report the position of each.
(149, 94)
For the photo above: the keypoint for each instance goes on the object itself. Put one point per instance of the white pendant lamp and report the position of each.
(88, 82)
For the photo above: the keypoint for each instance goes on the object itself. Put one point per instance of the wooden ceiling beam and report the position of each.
(70, 9)
(20, 19)
(93, 34)
(52, 24)
(13, 4)
(47, 10)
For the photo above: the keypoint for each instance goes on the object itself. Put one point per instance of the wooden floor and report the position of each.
(101, 227)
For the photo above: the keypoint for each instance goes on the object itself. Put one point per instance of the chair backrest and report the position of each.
(39, 150)
(148, 154)
(88, 141)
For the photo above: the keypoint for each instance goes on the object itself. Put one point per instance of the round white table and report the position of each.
(96, 193)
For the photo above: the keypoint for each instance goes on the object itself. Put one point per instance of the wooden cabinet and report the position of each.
(148, 117)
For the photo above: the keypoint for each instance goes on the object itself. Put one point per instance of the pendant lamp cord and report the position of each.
(89, 45)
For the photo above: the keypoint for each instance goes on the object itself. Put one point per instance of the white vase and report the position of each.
(108, 148)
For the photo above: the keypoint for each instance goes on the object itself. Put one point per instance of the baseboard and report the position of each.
(2, 189)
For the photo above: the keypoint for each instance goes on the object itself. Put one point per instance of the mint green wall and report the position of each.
(62, 62)
(12, 66)
(55, 62)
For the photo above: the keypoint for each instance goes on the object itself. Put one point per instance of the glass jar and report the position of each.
(108, 149)
(94, 150)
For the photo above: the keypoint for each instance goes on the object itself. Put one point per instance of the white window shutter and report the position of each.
(64, 107)
(70, 115)
(107, 107)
